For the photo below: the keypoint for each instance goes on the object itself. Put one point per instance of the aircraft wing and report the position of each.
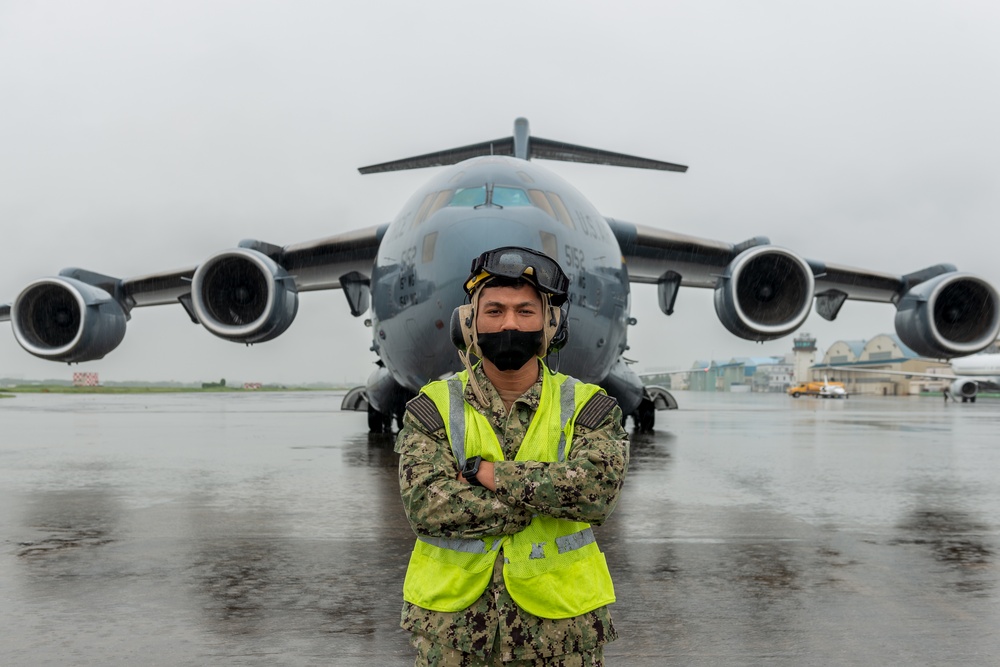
(245, 294)
(321, 264)
(985, 382)
(312, 265)
(678, 371)
(672, 372)
(763, 292)
(650, 252)
(919, 374)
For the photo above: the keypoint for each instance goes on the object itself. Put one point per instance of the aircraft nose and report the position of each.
(468, 238)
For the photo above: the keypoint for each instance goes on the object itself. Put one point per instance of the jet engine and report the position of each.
(964, 388)
(63, 319)
(244, 296)
(764, 293)
(952, 315)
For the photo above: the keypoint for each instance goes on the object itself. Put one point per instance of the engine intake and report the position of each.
(765, 293)
(244, 296)
(63, 319)
(952, 315)
(964, 388)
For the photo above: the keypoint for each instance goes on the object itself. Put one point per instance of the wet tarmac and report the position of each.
(264, 529)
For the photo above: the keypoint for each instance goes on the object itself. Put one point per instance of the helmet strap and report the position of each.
(550, 323)
(470, 334)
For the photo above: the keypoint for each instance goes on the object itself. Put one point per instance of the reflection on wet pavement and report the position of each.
(267, 529)
(956, 539)
(65, 521)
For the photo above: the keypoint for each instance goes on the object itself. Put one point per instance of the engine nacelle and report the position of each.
(244, 296)
(952, 315)
(765, 293)
(63, 319)
(964, 388)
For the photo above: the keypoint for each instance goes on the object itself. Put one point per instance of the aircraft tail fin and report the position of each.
(522, 145)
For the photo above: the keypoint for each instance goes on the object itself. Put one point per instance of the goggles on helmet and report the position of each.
(516, 262)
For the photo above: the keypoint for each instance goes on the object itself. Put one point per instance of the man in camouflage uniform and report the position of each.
(504, 495)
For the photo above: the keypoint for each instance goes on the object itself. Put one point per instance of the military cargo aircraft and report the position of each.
(410, 272)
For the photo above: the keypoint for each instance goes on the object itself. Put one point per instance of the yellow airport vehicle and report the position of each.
(819, 390)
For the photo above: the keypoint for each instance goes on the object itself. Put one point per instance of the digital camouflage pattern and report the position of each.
(584, 488)
(429, 654)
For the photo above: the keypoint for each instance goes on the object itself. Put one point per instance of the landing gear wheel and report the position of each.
(644, 416)
(378, 422)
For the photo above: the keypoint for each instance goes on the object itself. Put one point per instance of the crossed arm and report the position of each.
(439, 502)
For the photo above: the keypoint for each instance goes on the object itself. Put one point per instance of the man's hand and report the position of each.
(484, 476)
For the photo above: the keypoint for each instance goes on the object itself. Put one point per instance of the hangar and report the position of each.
(883, 352)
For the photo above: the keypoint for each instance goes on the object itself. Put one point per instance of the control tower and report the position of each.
(804, 350)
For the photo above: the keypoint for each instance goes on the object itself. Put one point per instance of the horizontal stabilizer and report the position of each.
(522, 145)
(444, 158)
(557, 150)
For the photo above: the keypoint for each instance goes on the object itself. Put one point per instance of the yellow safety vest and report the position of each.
(553, 568)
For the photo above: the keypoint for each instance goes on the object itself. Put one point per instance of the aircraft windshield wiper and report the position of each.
(489, 198)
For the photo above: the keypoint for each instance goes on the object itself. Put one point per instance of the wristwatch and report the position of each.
(471, 469)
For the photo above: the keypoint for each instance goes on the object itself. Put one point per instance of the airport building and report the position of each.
(853, 359)
(742, 374)
(856, 359)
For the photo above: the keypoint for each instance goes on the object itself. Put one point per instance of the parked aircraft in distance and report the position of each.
(970, 375)
(411, 271)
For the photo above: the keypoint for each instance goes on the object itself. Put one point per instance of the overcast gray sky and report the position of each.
(144, 136)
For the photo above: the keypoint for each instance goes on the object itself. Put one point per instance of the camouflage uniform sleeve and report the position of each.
(584, 488)
(436, 503)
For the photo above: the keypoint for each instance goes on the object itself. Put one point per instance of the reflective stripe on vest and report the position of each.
(552, 568)
(457, 414)
(458, 544)
(564, 544)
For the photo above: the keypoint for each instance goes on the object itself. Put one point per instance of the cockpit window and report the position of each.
(469, 197)
(422, 211)
(510, 196)
(440, 202)
(502, 196)
(562, 214)
(431, 204)
(539, 200)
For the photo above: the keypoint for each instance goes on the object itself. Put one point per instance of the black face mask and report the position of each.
(510, 350)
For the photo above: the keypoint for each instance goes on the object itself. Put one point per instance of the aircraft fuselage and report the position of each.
(977, 365)
(476, 205)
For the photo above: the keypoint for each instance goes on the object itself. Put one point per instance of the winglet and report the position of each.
(523, 146)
